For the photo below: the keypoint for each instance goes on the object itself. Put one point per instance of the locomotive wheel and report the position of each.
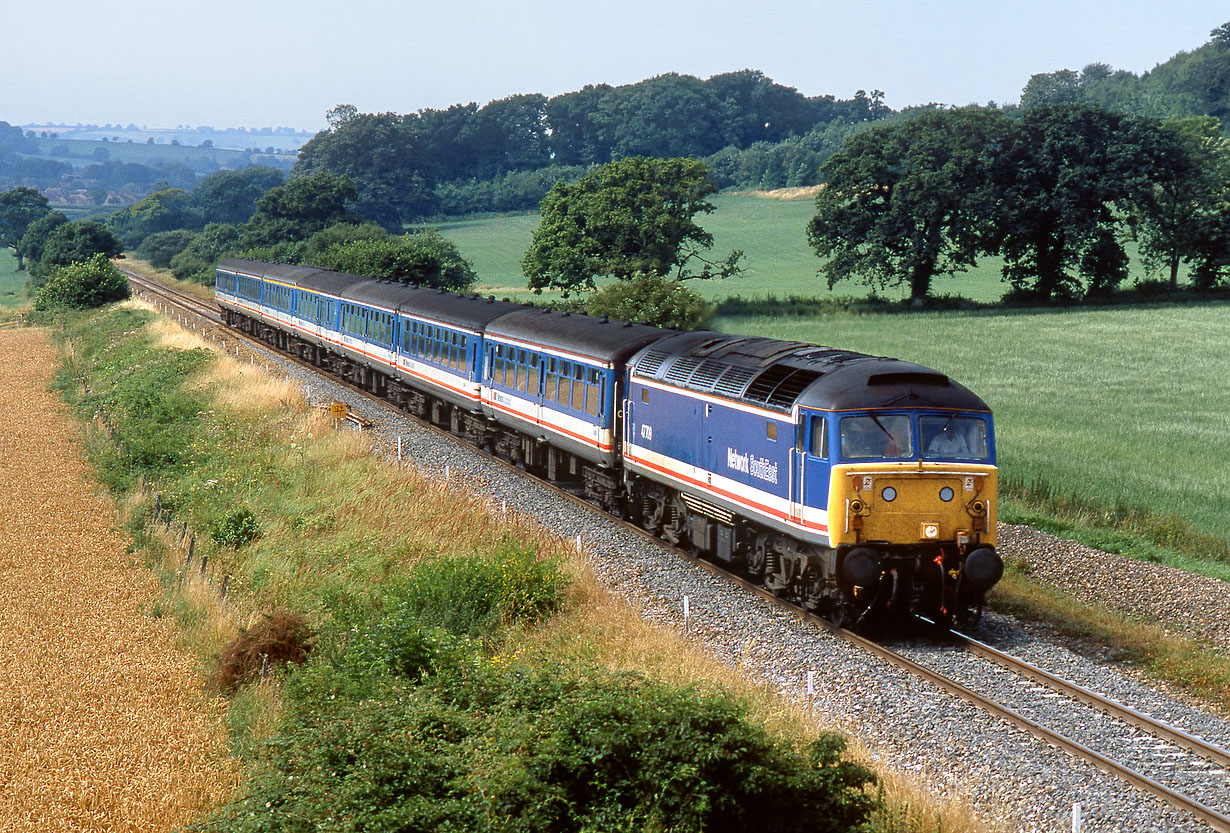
(754, 568)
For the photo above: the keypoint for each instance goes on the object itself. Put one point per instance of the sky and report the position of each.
(255, 63)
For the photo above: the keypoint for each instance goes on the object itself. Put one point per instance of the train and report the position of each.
(861, 487)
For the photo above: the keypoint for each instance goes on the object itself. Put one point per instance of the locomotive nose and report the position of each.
(982, 568)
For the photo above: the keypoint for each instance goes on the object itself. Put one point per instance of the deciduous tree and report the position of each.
(906, 202)
(19, 207)
(627, 218)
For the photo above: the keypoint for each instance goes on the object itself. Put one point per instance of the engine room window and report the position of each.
(964, 438)
(645, 395)
(876, 437)
(770, 431)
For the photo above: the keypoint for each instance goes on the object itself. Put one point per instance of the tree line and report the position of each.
(506, 155)
(1056, 192)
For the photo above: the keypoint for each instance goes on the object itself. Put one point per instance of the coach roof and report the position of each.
(603, 340)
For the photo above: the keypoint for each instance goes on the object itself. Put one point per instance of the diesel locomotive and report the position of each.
(859, 486)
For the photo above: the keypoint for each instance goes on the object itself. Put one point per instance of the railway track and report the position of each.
(1183, 770)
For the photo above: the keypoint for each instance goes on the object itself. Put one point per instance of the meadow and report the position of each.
(12, 282)
(771, 232)
(1112, 415)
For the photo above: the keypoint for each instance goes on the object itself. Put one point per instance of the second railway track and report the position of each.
(1183, 770)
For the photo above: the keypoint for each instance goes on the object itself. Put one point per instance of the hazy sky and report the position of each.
(254, 63)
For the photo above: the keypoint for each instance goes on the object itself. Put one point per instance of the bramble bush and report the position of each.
(81, 285)
(235, 529)
(477, 746)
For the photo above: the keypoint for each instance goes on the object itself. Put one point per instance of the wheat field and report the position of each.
(104, 723)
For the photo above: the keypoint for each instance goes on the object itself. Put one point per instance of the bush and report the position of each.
(485, 748)
(278, 640)
(423, 258)
(660, 301)
(83, 285)
(474, 595)
(235, 530)
(159, 248)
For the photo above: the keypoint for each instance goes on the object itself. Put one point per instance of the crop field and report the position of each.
(106, 726)
(79, 153)
(1119, 408)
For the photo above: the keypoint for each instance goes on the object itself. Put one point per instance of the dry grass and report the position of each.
(103, 723)
(165, 276)
(805, 192)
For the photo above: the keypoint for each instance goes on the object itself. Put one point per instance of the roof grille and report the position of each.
(734, 380)
(908, 378)
(652, 362)
(707, 374)
(682, 369)
(781, 385)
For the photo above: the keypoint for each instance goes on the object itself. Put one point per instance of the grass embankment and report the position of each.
(465, 670)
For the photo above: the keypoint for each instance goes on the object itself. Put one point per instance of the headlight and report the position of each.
(946, 494)
(889, 494)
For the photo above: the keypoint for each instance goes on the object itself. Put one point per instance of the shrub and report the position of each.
(474, 595)
(423, 258)
(91, 283)
(483, 748)
(235, 530)
(278, 640)
(159, 248)
(660, 301)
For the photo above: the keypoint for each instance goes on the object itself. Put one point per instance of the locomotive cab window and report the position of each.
(964, 438)
(877, 437)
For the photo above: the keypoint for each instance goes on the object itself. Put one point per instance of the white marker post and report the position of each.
(1076, 817)
(811, 690)
(685, 614)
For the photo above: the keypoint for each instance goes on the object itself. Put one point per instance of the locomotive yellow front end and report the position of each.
(921, 503)
(912, 513)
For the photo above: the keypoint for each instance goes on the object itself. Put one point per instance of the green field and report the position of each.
(1117, 407)
(771, 233)
(12, 282)
(80, 152)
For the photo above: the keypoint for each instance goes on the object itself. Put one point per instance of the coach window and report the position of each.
(531, 374)
(464, 362)
(520, 381)
(564, 394)
(578, 387)
(550, 381)
(593, 393)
